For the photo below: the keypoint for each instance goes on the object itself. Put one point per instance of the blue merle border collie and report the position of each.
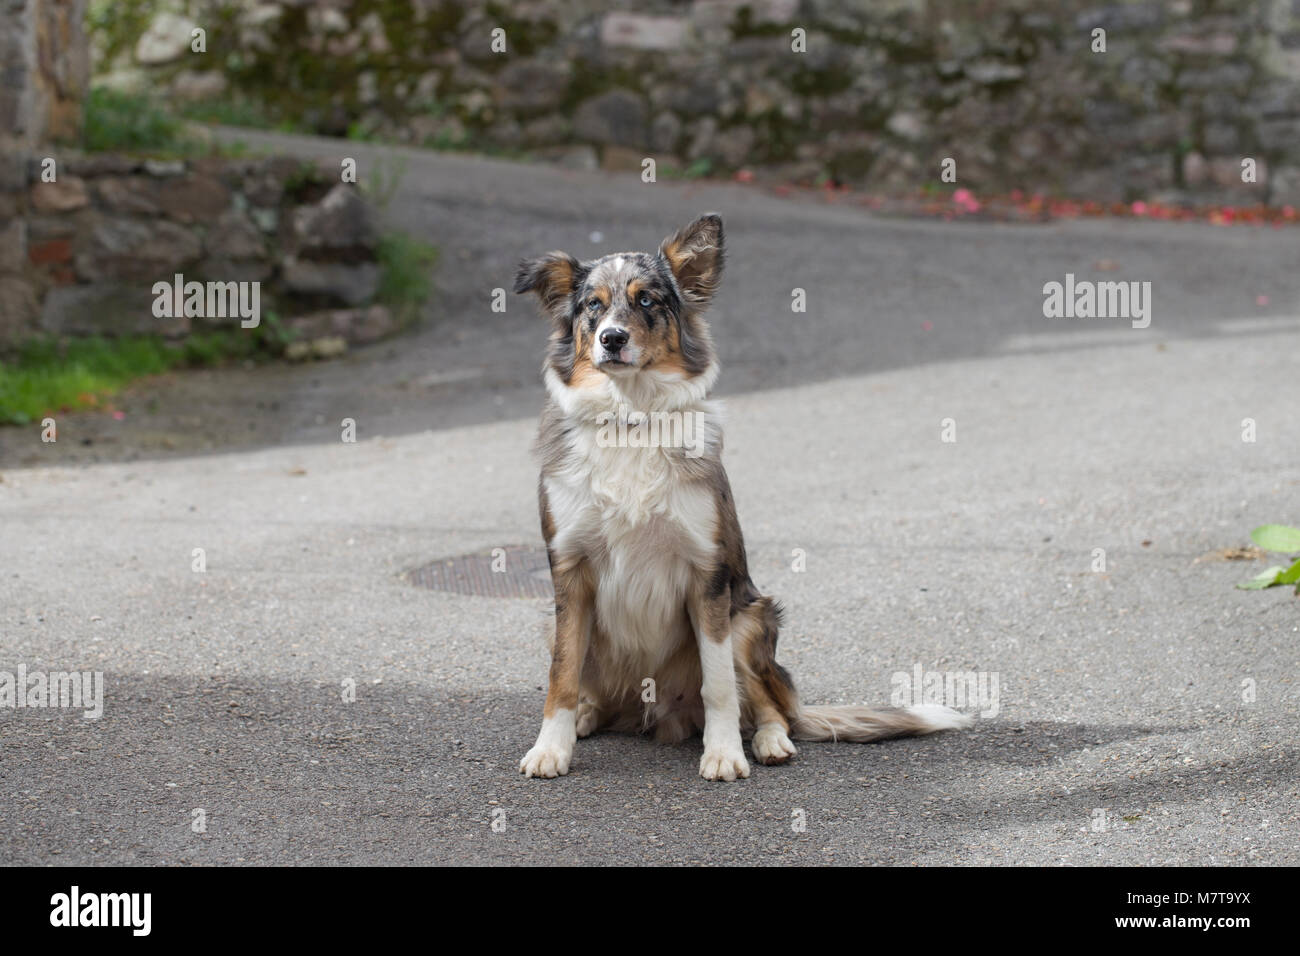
(652, 589)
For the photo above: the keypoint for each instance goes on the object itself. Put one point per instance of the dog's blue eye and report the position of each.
(645, 301)
(594, 304)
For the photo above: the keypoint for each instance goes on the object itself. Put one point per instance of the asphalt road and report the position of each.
(1148, 714)
(881, 294)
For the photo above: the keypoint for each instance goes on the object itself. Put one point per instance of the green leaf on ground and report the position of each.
(1264, 579)
(1277, 537)
(1291, 575)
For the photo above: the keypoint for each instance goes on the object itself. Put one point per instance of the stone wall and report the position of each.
(81, 254)
(45, 64)
(1014, 91)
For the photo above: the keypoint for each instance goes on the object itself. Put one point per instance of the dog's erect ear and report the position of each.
(696, 256)
(553, 277)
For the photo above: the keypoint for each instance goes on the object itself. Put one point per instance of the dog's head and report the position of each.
(631, 313)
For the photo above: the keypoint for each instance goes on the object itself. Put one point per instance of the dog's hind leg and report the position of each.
(589, 717)
(769, 697)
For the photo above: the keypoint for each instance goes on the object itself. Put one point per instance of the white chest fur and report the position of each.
(645, 532)
(644, 523)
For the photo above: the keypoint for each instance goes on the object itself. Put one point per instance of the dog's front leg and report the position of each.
(724, 756)
(551, 754)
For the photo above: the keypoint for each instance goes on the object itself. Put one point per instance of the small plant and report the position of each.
(130, 123)
(306, 183)
(700, 169)
(406, 267)
(1280, 539)
(385, 178)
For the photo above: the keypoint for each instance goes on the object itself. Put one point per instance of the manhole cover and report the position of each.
(512, 572)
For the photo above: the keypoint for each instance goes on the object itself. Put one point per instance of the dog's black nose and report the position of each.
(614, 339)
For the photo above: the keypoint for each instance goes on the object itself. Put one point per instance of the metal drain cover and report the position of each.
(511, 572)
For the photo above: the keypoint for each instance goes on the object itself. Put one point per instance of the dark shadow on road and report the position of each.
(286, 771)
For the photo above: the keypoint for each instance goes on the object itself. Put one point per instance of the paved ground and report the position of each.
(882, 294)
(1126, 730)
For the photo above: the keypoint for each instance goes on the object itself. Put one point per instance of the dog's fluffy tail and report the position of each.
(861, 725)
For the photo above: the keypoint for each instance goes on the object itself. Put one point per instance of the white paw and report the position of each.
(545, 761)
(771, 745)
(726, 762)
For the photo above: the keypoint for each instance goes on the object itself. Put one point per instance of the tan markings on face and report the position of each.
(663, 346)
(585, 374)
(655, 341)
(589, 335)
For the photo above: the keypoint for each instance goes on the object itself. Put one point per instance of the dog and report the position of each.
(658, 626)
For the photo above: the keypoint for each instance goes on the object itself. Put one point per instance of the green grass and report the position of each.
(49, 375)
(125, 122)
(406, 274)
(133, 123)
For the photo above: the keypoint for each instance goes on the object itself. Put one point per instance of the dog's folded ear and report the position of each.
(696, 255)
(553, 277)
